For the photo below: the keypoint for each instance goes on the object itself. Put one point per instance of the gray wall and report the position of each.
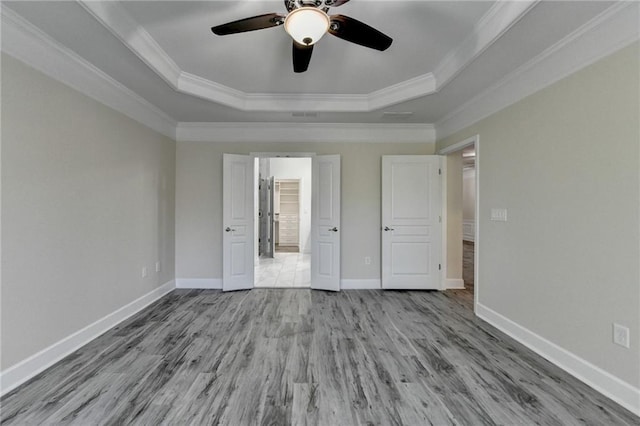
(87, 201)
(565, 163)
(199, 202)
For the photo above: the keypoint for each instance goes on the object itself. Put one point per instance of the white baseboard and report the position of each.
(199, 283)
(610, 386)
(453, 284)
(19, 373)
(360, 284)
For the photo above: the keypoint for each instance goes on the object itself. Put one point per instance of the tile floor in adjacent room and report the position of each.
(292, 270)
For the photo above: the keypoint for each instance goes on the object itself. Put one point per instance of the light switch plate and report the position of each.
(621, 335)
(499, 215)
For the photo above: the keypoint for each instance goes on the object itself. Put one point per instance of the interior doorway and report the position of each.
(462, 224)
(283, 222)
(468, 216)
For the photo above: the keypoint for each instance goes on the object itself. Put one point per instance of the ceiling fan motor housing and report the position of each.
(310, 3)
(307, 21)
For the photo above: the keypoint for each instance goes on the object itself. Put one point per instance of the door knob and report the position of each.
(386, 228)
(334, 229)
(229, 229)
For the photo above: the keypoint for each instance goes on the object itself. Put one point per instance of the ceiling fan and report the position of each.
(306, 22)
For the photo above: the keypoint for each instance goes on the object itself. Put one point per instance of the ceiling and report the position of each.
(444, 53)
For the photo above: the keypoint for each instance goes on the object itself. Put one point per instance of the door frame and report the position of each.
(458, 146)
(280, 154)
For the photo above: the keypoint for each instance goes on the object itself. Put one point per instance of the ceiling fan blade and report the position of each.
(358, 32)
(249, 24)
(301, 57)
(335, 3)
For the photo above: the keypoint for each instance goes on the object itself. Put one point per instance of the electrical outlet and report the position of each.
(621, 335)
(367, 260)
(144, 272)
(158, 266)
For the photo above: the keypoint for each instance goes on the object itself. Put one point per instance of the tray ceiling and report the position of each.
(444, 54)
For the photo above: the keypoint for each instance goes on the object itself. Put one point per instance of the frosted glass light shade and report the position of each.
(306, 25)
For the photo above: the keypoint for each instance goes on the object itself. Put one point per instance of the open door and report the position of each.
(325, 223)
(238, 222)
(411, 228)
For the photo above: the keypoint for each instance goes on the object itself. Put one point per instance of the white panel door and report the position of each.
(325, 223)
(237, 222)
(411, 216)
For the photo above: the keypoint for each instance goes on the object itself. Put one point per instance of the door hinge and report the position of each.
(440, 219)
(440, 171)
(439, 266)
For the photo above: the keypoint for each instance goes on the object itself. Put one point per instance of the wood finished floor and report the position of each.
(468, 250)
(280, 357)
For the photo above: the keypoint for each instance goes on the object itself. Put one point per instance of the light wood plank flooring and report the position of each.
(280, 357)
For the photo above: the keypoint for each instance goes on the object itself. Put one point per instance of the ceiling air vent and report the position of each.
(397, 115)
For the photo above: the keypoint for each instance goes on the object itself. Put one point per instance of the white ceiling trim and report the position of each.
(25, 42)
(611, 30)
(502, 16)
(493, 24)
(608, 32)
(404, 91)
(306, 132)
(122, 25)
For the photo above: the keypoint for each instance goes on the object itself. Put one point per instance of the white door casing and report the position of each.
(325, 223)
(411, 222)
(238, 222)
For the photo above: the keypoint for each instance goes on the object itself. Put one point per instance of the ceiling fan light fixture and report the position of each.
(307, 25)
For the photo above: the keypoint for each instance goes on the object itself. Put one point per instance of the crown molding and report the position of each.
(306, 132)
(30, 45)
(404, 91)
(122, 25)
(25, 42)
(500, 17)
(192, 84)
(613, 29)
(608, 32)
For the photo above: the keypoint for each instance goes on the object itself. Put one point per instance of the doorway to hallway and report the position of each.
(284, 222)
(462, 198)
(468, 215)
